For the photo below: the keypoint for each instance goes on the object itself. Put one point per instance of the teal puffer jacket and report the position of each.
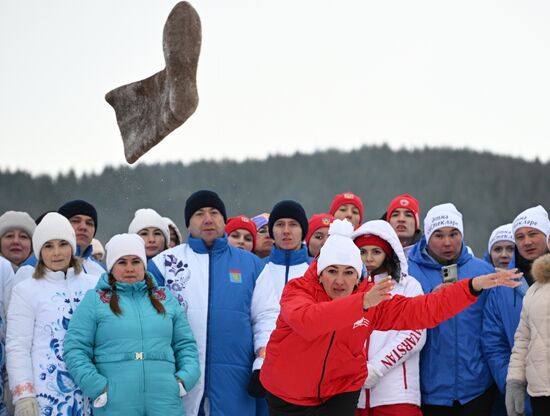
(136, 355)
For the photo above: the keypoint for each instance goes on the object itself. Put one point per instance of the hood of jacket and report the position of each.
(386, 232)
(419, 255)
(541, 269)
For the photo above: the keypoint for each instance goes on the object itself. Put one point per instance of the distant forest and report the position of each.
(489, 190)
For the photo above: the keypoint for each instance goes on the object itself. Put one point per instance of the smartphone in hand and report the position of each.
(449, 273)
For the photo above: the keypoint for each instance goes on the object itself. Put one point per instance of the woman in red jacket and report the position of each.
(316, 362)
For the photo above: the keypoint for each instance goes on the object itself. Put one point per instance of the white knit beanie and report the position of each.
(502, 233)
(121, 245)
(16, 219)
(535, 217)
(53, 226)
(147, 217)
(339, 248)
(97, 248)
(441, 216)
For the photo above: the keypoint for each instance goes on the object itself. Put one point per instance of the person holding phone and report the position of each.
(454, 375)
(315, 361)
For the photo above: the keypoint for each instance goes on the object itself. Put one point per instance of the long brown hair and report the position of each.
(40, 269)
(113, 302)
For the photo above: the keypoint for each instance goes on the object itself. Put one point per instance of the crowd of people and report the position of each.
(276, 313)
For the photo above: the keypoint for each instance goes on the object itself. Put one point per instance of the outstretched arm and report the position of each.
(427, 311)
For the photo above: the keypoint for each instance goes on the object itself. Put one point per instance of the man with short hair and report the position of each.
(454, 376)
(403, 214)
(231, 310)
(83, 217)
(502, 311)
(289, 258)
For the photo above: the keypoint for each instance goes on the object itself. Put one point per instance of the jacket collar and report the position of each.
(289, 257)
(198, 246)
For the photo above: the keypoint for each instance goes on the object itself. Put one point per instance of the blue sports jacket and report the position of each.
(452, 366)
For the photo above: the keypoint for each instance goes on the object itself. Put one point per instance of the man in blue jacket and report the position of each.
(454, 376)
(503, 308)
(231, 310)
(289, 257)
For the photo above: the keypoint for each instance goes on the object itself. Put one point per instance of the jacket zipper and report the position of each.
(324, 367)
(287, 264)
(207, 355)
(138, 309)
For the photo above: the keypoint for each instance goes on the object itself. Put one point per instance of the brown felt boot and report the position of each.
(150, 109)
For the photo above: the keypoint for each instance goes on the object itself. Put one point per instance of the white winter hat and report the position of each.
(535, 217)
(16, 219)
(121, 245)
(147, 217)
(53, 226)
(339, 248)
(172, 224)
(440, 216)
(97, 248)
(502, 233)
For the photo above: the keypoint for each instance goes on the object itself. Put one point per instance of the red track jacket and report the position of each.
(317, 349)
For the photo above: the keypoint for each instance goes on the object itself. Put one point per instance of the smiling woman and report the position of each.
(38, 317)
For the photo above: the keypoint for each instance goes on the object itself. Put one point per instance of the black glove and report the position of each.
(255, 388)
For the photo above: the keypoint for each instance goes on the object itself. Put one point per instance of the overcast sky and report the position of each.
(276, 77)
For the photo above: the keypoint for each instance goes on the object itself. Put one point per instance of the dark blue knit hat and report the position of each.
(288, 209)
(78, 207)
(203, 199)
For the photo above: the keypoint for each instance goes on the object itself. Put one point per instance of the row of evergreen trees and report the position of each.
(489, 190)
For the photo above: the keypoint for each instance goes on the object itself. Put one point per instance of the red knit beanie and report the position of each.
(241, 222)
(347, 198)
(317, 221)
(374, 240)
(408, 202)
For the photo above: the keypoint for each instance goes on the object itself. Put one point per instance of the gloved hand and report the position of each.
(255, 388)
(7, 399)
(515, 398)
(373, 377)
(27, 407)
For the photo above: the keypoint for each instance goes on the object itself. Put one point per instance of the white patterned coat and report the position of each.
(38, 318)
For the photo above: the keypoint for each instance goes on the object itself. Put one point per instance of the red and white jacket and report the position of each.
(317, 349)
(395, 354)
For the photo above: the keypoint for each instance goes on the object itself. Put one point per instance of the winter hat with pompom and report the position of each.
(340, 248)
(121, 245)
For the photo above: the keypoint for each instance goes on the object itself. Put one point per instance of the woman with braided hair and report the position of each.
(129, 346)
